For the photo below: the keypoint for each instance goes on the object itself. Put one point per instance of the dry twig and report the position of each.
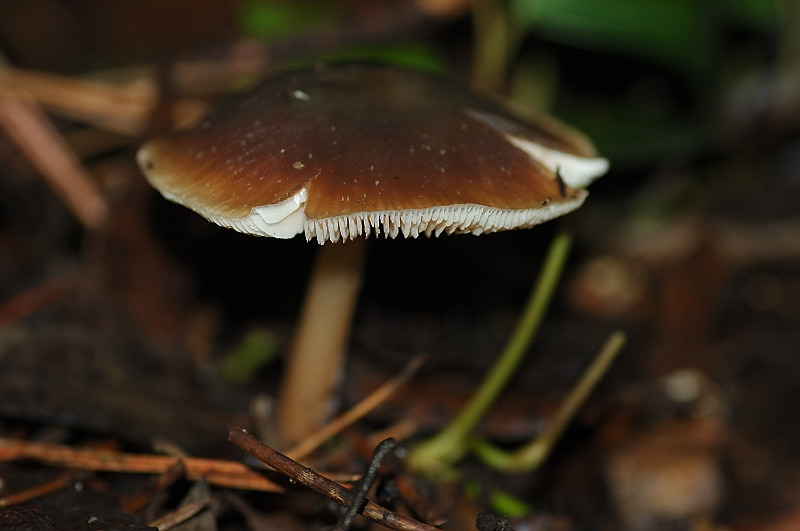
(35, 135)
(37, 491)
(373, 400)
(180, 515)
(362, 488)
(122, 108)
(319, 483)
(31, 300)
(217, 472)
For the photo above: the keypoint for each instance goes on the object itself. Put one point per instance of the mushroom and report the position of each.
(341, 152)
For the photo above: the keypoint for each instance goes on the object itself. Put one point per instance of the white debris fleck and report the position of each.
(300, 95)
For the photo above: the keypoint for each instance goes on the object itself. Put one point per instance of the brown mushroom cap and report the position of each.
(336, 152)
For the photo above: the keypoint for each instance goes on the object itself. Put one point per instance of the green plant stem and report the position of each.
(533, 454)
(437, 455)
(496, 38)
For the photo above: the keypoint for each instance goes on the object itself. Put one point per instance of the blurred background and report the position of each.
(126, 318)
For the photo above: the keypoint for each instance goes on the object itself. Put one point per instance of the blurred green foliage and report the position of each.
(508, 505)
(275, 19)
(671, 65)
(669, 30)
(681, 33)
(257, 349)
(410, 54)
(655, 72)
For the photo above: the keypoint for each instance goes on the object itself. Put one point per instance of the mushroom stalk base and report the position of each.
(436, 455)
(315, 363)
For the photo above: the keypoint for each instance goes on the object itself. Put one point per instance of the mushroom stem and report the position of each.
(436, 455)
(315, 361)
